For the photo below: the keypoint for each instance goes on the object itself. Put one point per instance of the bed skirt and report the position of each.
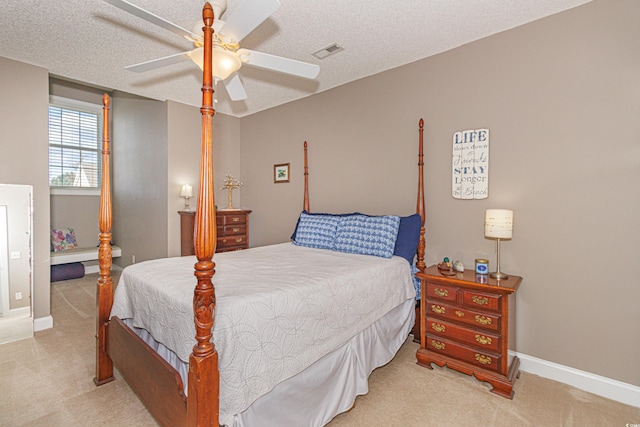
(326, 388)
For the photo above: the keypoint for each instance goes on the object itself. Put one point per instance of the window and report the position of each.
(74, 146)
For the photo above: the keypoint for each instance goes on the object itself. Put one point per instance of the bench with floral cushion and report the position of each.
(67, 256)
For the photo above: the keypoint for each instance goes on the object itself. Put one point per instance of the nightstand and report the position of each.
(468, 324)
(232, 231)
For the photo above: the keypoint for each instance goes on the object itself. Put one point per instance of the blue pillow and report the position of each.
(408, 237)
(316, 231)
(367, 235)
(295, 230)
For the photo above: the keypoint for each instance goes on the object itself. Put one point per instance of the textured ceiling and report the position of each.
(91, 41)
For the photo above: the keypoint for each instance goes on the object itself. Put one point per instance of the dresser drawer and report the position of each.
(231, 219)
(231, 241)
(480, 340)
(478, 319)
(230, 230)
(475, 357)
(442, 292)
(230, 249)
(482, 301)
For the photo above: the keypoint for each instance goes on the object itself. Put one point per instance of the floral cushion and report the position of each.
(63, 239)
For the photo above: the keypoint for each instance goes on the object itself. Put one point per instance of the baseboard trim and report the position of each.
(42, 323)
(91, 269)
(602, 386)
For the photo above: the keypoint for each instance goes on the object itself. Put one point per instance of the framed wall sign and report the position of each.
(470, 164)
(281, 173)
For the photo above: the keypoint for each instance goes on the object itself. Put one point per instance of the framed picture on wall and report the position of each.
(281, 173)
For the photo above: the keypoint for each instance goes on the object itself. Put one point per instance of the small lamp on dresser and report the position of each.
(187, 193)
(498, 224)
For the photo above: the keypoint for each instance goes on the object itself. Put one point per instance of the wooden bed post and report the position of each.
(104, 294)
(305, 205)
(420, 265)
(204, 382)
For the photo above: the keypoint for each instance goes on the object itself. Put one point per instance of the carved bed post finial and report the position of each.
(104, 294)
(204, 382)
(420, 209)
(305, 205)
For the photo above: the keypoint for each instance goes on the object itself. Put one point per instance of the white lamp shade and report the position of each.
(498, 223)
(186, 191)
(225, 62)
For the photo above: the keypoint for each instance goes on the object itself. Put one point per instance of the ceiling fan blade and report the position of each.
(246, 17)
(235, 89)
(154, 19)
(160, 62)
(278, 63)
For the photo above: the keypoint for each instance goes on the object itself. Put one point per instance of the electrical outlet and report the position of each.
(15, 254)
(133, 259)
(18, 296)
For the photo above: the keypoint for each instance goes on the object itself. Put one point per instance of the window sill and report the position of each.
(73, 192)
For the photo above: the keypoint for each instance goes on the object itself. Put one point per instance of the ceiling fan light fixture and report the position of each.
(225, 62)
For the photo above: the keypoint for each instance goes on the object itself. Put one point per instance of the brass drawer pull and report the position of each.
(483, 320)
(483, 340)
(239, 239)
(437, 345)
(459, 313)
(438, 327)
(481, 358)
(438, 309)
(480, 300)
(236, 218)
(236, 229)
(441, 292)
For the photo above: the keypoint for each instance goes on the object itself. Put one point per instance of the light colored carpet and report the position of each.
(47, 380)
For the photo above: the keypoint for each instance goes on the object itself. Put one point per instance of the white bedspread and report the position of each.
(279, 309)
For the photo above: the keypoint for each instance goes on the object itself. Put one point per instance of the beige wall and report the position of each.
(139, 176)
(561, 98)
(79, 213)
(23, 142)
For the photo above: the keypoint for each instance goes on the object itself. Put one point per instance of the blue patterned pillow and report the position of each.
(316, 231)
(367, 235)
(293, 236)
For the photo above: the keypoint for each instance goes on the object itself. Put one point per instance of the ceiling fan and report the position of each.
(228, 56)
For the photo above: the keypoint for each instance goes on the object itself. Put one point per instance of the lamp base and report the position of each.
(499, 275)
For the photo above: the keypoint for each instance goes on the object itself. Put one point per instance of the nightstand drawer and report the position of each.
(227, 219)
(442, 292)
(480, 340)
(225, 242)
(476, 357)
(478, 300)
(229, 230)
(458, 314)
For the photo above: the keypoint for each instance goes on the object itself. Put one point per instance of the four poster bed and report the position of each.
(299, 326)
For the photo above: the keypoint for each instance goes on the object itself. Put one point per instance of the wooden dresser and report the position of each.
(232, 228)
(468, 324)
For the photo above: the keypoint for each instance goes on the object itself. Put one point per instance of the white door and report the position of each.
(4, 257)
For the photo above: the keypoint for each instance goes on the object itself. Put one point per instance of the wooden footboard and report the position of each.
(157, 383)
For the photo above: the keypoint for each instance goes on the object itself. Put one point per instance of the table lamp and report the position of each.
(498, 224)
(187, 193)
